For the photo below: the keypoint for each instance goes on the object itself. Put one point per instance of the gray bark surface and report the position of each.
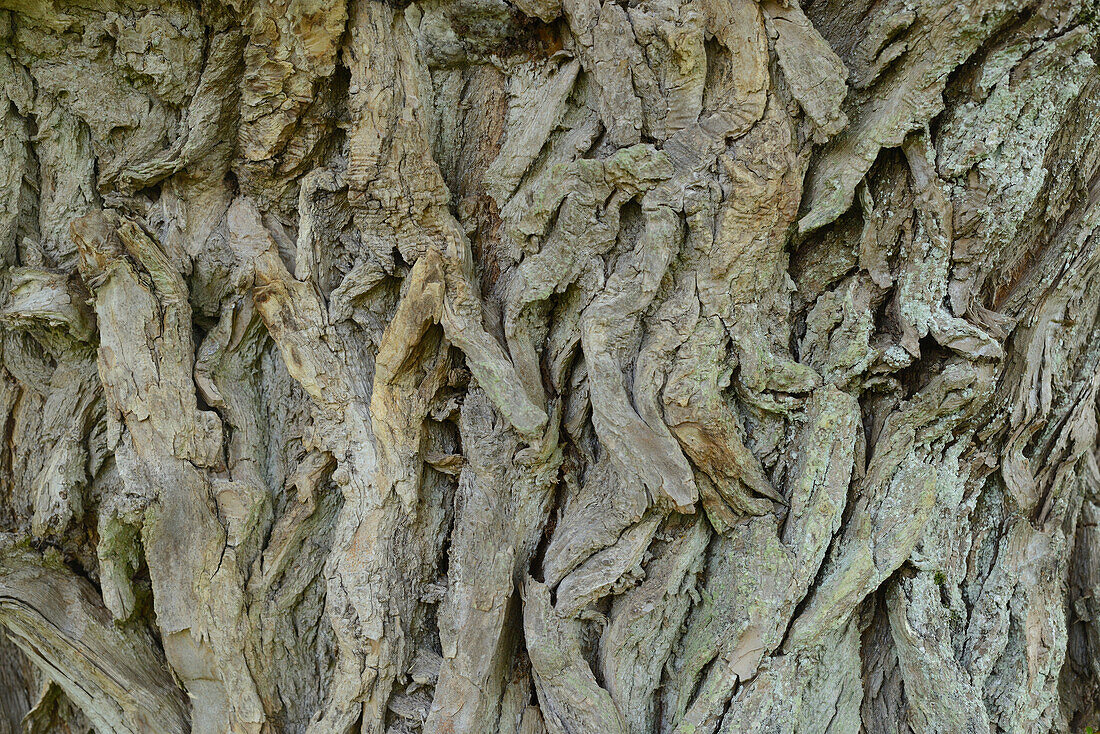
(549, 367)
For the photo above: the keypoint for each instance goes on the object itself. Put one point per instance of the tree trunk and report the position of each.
(658, 367)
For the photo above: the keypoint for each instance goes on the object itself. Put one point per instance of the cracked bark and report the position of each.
(662, 367)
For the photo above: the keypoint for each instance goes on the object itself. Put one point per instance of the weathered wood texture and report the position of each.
(556, 367)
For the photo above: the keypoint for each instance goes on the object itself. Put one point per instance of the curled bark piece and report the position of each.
(294, 317)
(896, 498)
(609, 52)
(588, 217)
(606, 504)
(605, 569)
(898, 104)
(53, 308)
(920, 629)
(283, 66)
(117, 676)
(47, 300)
(747, 604)
(644, 624)
(162, 455)
(671, 36)
(530, 123)
(760, 201)
(571, 700)
(816, 691)
(708, 431)
(738, 96)
(605, 327)
(210, 118)
(499, 496)
(816, 74)
(462, 320)
(395, 173)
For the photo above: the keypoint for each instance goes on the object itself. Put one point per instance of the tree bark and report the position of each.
(556, 366)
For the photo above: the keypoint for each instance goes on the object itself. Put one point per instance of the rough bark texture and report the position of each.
(554, 367)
